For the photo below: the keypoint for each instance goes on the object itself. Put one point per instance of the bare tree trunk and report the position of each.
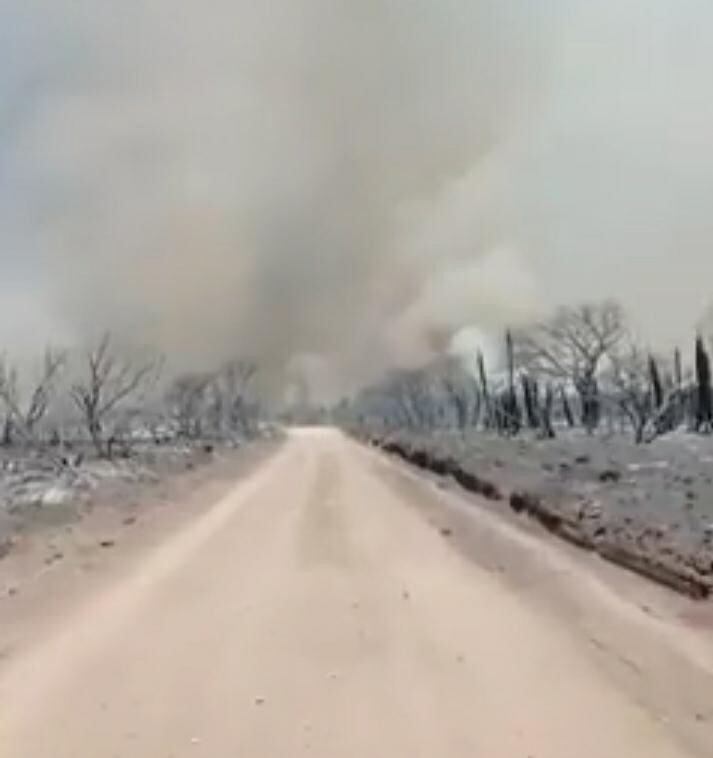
(656, 385)
(680, 410)
(8, 432)
(106, 384)
(704, 409)
(95, 433)
(545, 415)
(510, 403)
(588, 391)
(566, 407)
(677, 369)
(531, 396)
(487, 400)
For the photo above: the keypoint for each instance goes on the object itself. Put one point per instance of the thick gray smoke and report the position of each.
(334, 187)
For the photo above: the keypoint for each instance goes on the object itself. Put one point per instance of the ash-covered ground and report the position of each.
(43, 490)
(648, 507)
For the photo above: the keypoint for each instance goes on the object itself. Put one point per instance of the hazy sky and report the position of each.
(344, 186)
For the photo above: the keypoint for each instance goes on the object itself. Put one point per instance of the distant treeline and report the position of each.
(581, 368)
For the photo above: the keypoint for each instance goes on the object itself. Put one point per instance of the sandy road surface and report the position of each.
(315, 612)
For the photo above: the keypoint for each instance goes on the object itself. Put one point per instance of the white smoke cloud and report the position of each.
(355, 182)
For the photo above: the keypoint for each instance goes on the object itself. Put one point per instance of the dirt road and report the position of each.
(316, 612)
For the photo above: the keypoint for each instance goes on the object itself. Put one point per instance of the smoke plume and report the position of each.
(335, 188)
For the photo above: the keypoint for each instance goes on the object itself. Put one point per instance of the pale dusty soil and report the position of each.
(333, 604)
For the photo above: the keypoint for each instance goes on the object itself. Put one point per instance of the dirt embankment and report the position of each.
(649, 508)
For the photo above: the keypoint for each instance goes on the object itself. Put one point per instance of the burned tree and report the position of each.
(656, 383)
(220, 398)
(677, 369)
(510, 407)
(107, 381)
(461, 393)
(485, 392)
(231, 388)
(704, 400)
(538, 410)
(531, 400)
(571, 346)
(631, 375)
(566, 407)
(24, 419)
(401, 399)
(9, 394)
(547, 430)
(187, 402)
(442, 394)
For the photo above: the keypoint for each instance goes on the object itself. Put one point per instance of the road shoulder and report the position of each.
(54, 571)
